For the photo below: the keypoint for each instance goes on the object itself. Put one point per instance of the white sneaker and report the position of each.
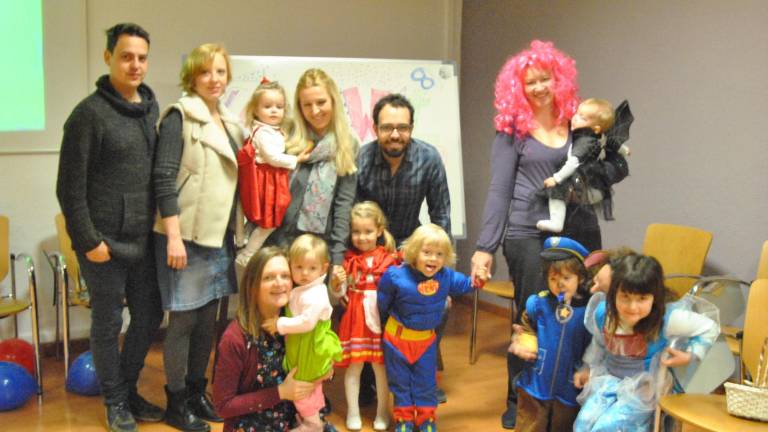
(354, 423)
(242, 258)
(381, 423)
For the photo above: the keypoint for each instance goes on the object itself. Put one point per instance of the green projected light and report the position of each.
(21, 77)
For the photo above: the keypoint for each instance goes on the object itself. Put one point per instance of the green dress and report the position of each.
(314, 352)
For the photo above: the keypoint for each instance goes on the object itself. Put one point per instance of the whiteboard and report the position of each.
(431, 86)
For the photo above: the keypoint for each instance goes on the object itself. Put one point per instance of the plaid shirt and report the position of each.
(420, 175)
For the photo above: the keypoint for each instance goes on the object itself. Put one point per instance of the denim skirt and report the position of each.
(209, 275)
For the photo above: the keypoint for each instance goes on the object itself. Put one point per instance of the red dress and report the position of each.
(360, 329)
(264, 190)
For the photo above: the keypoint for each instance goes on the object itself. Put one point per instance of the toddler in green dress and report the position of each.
(311, 345)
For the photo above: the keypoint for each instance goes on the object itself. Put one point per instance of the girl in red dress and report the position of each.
(264, 167)
(372, 253)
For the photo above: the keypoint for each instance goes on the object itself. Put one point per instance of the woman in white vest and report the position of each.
(195, 179)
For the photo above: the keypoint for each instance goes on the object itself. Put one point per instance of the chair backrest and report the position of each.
(755, 325)
(680, 250)
(762, 265)
(65, 248)
(5, 249)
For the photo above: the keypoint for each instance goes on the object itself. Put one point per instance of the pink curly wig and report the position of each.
(514, 113)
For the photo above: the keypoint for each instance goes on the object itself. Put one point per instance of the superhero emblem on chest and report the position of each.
(428, 287)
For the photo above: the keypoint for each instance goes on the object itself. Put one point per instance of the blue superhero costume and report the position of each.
(411, 305)
(561, 346)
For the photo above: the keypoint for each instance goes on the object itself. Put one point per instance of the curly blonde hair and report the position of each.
(429, 234)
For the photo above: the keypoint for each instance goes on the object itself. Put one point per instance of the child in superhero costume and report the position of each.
(411, 299)
(580, 178)
(552, 339)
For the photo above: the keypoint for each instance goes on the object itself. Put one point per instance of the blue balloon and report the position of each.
(82, 377)
(16, 386)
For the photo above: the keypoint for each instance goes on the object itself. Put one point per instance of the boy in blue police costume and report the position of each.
(552, 338)
(411, 298)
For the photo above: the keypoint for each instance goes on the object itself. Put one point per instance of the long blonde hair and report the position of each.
(248, 315)
(346, 142)
(371, 210)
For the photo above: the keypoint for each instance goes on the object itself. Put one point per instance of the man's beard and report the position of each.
(395, 153)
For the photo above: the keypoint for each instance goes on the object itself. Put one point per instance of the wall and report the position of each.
(694, 73)
(427, 29)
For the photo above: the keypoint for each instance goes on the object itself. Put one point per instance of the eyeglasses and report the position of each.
(389, 128)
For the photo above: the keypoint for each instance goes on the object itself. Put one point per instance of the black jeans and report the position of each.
(109, 284)
(525, 272)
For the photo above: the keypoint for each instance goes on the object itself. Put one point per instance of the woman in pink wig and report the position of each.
(536, 96)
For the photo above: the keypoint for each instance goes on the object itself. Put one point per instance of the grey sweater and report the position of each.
(104, 183)
(519, 167)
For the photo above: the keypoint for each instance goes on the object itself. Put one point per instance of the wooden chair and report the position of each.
(10, 304)
(708, 412)
(681, 251)
(503, 289)
(69, 285)
(726, 294)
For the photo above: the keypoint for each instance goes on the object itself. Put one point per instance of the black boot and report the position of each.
(199, 402)
(179, 415)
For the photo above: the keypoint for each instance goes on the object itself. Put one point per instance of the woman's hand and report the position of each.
(338, 277)
(550, 182)
(177, 253)
(304, 155)
(674, 358)
(269, 325)
(581, 377)
(99, 254)
(292, 389)
(481, 261)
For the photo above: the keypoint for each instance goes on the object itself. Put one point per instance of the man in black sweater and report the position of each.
(105, 191)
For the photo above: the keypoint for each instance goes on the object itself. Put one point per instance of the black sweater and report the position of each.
(104, 184)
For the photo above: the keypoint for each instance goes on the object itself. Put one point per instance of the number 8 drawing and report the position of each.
(420, 75)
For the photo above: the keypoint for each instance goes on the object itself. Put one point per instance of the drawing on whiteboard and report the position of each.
(424, 81)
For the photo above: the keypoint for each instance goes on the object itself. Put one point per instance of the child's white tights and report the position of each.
(255, 240)
(556, 217)
(352, 390)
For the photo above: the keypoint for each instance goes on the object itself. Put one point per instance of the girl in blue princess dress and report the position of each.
(633, 332)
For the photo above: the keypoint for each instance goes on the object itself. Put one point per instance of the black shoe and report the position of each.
(199, 402)
(143, 410)
(509, 418)
(441, 397)
(179, 415)
(120, 419)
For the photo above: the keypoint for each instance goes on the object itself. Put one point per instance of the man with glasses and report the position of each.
(398, 172)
